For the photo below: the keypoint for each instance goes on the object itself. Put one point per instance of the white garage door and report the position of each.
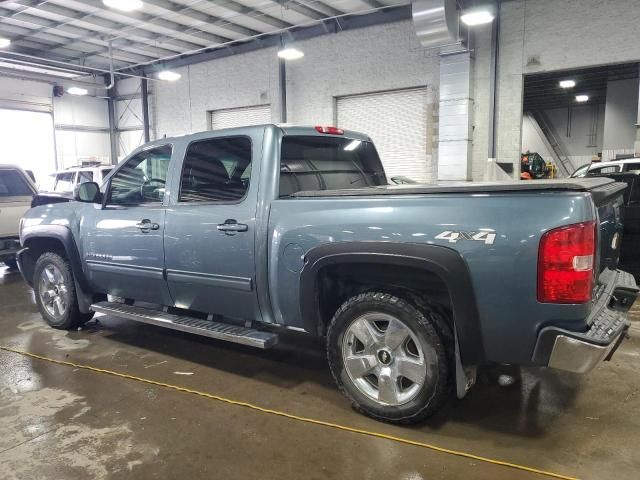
(240, 117)
(396, 121)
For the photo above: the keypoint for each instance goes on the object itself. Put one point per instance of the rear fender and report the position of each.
(444, 262)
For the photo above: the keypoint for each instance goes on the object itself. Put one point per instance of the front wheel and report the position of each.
(55, 292)
(389, 357)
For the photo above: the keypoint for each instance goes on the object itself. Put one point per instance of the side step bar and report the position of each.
(207, 328)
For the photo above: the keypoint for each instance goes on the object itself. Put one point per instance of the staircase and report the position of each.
(543, 127)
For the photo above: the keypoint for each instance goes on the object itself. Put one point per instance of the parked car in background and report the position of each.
(65, 181)
(612, 166)
(16, 191)
(237, 234)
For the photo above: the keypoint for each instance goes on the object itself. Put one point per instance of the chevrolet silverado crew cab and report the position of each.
(238, 234)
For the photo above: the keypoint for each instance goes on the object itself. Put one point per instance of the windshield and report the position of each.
(328, 163)
(13, 184)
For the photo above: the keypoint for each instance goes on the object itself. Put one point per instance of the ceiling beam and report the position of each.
(256, 14)
(115, 28)
(207, 19)
(150, 22)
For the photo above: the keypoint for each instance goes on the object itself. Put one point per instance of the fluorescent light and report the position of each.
(352, 145)
(169, 76)
(477, 17)
(290, 53)
(582, 98)
(77, 91)
(567, 83)
(124, 5)
(4, 42)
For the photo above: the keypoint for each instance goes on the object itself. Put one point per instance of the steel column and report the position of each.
(113, 133)
(145, 109)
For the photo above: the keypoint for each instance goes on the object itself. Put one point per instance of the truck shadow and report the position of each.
(525, 409)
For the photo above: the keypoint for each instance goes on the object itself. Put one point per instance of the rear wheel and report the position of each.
(55, 292)
(389, 357)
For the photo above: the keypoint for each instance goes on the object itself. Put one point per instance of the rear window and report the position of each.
(13, 184)
(328, 163)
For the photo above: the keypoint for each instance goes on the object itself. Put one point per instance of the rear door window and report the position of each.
(13, 184)
(632, 167)
(310, 163)
(216, 170)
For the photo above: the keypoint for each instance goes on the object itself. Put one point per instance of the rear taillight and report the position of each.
(329, 130)
(565, 264)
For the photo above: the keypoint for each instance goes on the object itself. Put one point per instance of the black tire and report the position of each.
(428, 328)
(71, 317)
(12, 263)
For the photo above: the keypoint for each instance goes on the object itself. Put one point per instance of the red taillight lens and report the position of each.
(329, 130)
(565, 264)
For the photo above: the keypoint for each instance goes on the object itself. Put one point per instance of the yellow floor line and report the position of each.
(294, 417)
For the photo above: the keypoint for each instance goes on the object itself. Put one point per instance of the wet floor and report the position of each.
(59, 422)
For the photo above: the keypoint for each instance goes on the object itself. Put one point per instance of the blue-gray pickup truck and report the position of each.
(239, 234)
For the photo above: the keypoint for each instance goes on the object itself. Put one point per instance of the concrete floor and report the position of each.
(57, 422)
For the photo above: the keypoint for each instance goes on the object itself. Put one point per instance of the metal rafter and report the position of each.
(175, 45)
(47, 26)
(189, 11)
(70, 53)
(150, 22)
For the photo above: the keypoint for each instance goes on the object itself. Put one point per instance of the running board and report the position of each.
(207, 328)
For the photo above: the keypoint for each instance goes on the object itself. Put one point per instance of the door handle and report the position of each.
(231, 226)
(147, 225)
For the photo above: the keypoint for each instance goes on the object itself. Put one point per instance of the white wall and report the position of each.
(72, 145)
(378, 58)
(74, 114)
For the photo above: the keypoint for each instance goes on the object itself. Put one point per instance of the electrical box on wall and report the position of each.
(58, 91)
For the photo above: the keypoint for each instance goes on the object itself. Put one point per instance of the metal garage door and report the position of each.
(240, 117)
(397, 123)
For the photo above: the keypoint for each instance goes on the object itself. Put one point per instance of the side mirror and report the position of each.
(87, 192)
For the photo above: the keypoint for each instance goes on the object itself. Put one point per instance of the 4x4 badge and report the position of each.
(453, 237)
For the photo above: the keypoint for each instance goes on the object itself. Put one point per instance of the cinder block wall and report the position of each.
(536, 35)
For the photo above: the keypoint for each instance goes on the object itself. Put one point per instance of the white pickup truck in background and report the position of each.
(16, 192)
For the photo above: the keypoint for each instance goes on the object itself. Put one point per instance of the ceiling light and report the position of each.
(290, 53)
(567, 83)
(124, 5)
(77, 91)
(4, 42)
(169, 76)
(582, 98)
(477, 17)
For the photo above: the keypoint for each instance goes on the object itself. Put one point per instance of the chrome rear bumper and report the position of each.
(580, 352)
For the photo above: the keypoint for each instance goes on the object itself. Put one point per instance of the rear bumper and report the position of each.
(580, 352)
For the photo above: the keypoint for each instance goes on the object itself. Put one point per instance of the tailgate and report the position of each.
(608, 199)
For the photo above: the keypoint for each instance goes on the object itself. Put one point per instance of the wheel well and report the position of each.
(338, 282)
(39, 245)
